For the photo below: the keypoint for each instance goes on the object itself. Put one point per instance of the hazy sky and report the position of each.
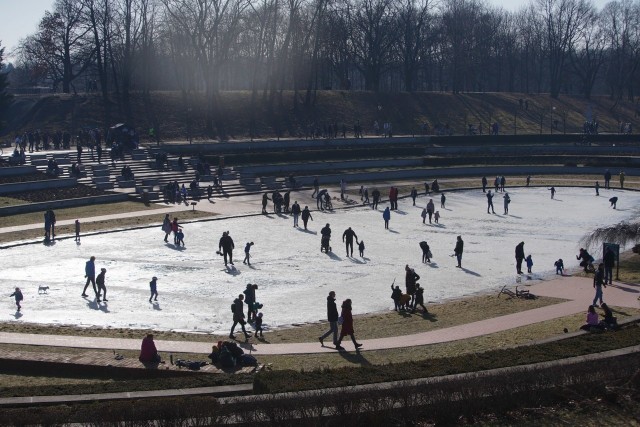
(19, 18)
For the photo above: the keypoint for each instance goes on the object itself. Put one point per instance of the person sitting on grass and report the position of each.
(592, 320)
(609, 321)
(148, 351)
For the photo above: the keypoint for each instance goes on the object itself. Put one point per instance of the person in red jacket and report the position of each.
(148, 351)
(347, 325)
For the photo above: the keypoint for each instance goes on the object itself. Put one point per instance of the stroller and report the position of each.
(324, 244)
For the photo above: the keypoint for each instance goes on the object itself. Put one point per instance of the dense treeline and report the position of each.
(268, 46)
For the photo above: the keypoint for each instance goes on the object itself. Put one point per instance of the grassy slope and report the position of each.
(405, 111)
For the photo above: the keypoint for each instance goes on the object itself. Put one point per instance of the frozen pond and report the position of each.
(196, 291)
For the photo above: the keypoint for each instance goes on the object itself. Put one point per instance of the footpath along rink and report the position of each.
(293, 276)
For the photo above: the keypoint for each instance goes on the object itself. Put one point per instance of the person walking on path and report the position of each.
(247, 256)
(386, 215)
(166, 227)
(598, 284)
(90, 274)
(410, 280)
(238, 317)
(17, 295)
(519, 257)
(376, 198)
(484, 184)
(443, 199)
(553, 192)
(609, 261)
(153, 287)
(490, 202)
(306, 216)
(332, 318)
(347, 325)
(295, 211)
(414, 194)
(349, 235)
(507, 200)
(226, 246)
(607, 179)
(621, 179)
(597, 188)
(457, 251)
(102, 288)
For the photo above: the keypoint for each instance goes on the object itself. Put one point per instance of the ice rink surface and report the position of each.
(294, 278)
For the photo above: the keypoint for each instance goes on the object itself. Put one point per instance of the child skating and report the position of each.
(180, 237)
(258, 325)
(18, 296)
(436, 216)
(153, 286)
(247, 248)
(77, 230)
(529, 261)
(361, 248)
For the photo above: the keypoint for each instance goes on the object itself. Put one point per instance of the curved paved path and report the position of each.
(578, 291)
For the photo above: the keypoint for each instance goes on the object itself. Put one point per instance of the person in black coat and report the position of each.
(332, 317)
(226, 246)
(306, 215)
(425, 251)
(484, 184)
(376, 198)
(458, 251)
(519, 257)
(609, 261)
(349, 234)
(410, 280)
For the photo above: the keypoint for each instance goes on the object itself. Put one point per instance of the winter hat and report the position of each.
(154, 278)
(104, 270)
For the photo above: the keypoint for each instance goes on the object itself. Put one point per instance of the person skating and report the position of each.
(17, 295)
(332, 318)
(457, 251)
(613, 201)
(598, 284)
(622, 179)
(410, 280)
(375, 194)
(436, 217)
(247, 256)
(507, 200)
(424, 215)
(180, 237)
(306, 216)
(426, 252)
(238, 317)
(325, 239)
(490, 202)
(226, 246)
(366, 196)
(393, 198)
(361, 248)
(349, 235)
(430, 209)
(426, 188)
(90, 274)
(174, 230)
(519, 257)
(316, 187)
(529, 261)
(77, 230)
(386, 215)
(102, 287)
(265, 202)
(528, 180)
(503, 182)
(414, 194)
(320, 199)
(250, 299)
(295, 211)
(153, 288)
(443, 199)
(597, 188)
(286, 199)
(553, 192)
(347, 325)
(484, 184)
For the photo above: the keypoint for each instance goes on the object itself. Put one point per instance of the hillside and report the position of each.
(407, 112)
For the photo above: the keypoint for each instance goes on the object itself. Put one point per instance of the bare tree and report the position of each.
(588, 54)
